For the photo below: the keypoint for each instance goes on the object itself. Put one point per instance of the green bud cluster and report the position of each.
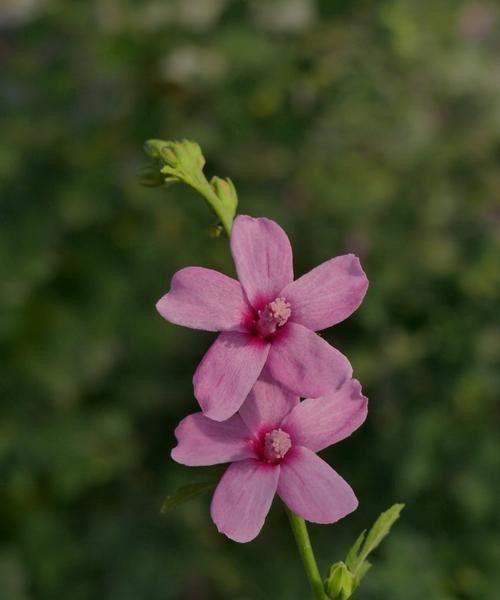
(183, 161)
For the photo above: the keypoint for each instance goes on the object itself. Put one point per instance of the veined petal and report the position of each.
(228, 372)
(204, 299)
(243, 498)
(263, 258)
(267, 404)
(305, 364)
(203, 442)
(328, 294)
(312, 489)
(320, 422)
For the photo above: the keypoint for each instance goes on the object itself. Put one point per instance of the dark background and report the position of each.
(369, 127)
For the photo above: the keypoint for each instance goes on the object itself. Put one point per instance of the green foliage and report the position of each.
(344, 577)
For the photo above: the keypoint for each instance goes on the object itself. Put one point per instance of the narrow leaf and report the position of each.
(381, 528)
(187, 492)
(353, 558)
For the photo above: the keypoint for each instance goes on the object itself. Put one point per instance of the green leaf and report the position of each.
(352, 556)
(380, 529)
(187, 492)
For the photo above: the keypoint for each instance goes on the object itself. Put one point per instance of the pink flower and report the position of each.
(272, 444)
(266, 319)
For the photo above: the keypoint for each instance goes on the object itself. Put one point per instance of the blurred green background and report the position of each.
(369, 127)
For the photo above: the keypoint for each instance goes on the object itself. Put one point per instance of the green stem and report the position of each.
(306, 553)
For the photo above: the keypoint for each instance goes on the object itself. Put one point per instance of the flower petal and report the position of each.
(243, 498)
(305, 364)
(266, 405)
(312, 489)
(203, 442)
(204, 299)
(263, 258)
(320, 422)
(228, 372)
(328, 294)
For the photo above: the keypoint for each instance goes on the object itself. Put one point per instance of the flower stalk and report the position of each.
(306, 552)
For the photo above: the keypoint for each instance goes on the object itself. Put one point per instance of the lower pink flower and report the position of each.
(272, 443)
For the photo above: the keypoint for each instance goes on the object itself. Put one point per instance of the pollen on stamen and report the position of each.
(280, 310)
(276, 444)
(272, 316)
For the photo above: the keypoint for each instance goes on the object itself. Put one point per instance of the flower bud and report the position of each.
(340, 582)
(226, 192)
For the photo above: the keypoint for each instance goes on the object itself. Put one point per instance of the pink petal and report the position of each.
(243, 498)
(202, 441)
(263, 258)
(228, 372)
(312, 489)
(204, 299)
(305, 364)
(328, 294)
(266, 405)
(321, 422)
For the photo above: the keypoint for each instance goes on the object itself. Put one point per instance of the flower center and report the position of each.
(272, 316)
(276, 444)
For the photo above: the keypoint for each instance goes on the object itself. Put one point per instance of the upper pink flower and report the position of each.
(266, 319)
(272, 444)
